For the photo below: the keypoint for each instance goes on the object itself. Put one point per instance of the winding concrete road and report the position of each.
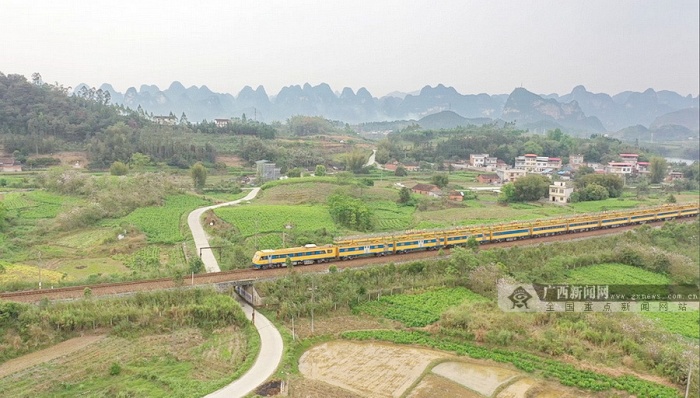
(201, 240)
(271, 345)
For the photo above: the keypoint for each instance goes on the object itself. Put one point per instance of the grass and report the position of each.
(186, 363)
(22, 273)
(683, 323)
(35, 205)
(161, 224)
(417, 310)
(615, 274)
(256, 219)
(85, 267)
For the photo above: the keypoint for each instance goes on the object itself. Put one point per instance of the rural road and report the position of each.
(370, 161)
(200, 237)
(271, 346)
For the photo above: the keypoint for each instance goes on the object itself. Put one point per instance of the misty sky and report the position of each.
(475, 46)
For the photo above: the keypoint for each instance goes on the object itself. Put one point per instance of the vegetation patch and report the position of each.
(22, 273)
(161, 224)
(566, 374)
(250, 220)
(616, 274)
(417, 310)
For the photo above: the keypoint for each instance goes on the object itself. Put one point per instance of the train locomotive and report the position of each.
(408, 241)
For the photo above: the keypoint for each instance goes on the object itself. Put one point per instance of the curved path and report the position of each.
(271, 345)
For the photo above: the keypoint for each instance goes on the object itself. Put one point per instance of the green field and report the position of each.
(616, 274)
(161, 224)
(417, 310)
(255, 219)
(686, 324)
(37, 204)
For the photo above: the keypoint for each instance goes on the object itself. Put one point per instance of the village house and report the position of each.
(411, 166)
(642, 167)
(457, 196)
(489, 178)
(619, 168)
(170, 120)
(560, 192)
(629, 158)
(427, 189)
(9, 165)
(222, 122)
(478, 159)
(674, 175)
(527, 162)
(576, 161)
(267, 171)
(510, 175)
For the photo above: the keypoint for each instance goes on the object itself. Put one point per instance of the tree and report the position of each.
(401, 171)
(594, 192)
(118, 169)
(139, 160)
(199, 175)
(441, 180)
(320, 170)
(611, 182)
(404, 195)
(355, 161)
(531, 188)
(350, 212)
(657, 169)
(507, 193)
(294, 173)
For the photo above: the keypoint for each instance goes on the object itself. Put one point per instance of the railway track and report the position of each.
(107, 289)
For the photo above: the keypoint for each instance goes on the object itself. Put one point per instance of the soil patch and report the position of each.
(480, 378)
(435, 386)
(61, 349)
(367, 369)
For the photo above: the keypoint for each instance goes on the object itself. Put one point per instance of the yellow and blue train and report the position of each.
(382, 245)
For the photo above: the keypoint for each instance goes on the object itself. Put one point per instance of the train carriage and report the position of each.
(348, 249)
(305, 255)
(578, 224)
(549, 227)
(460, 237)
(511, 231)
(429, 241)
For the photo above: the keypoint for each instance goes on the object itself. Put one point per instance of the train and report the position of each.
(408, 241)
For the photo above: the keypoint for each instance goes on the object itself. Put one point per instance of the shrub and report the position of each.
(118, 169)
(115, 369)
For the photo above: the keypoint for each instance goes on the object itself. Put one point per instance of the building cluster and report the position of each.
(497, 172)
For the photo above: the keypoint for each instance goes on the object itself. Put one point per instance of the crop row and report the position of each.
(613, 274)
(565, 373)
(161, 224)
(417, 310)
(254, 219)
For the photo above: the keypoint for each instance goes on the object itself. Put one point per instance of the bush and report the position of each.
(115, 369)
(118, 169)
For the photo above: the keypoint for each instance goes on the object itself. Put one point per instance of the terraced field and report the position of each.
(161, 224)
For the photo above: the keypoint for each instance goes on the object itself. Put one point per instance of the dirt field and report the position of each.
(349, 369)
(61, 349)
(150, 364)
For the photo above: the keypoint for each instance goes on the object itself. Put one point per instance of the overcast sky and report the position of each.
(475, 46)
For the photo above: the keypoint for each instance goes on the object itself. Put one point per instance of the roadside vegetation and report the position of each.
(171, 343)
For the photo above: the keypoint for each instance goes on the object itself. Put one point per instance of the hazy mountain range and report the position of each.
(578, 111)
